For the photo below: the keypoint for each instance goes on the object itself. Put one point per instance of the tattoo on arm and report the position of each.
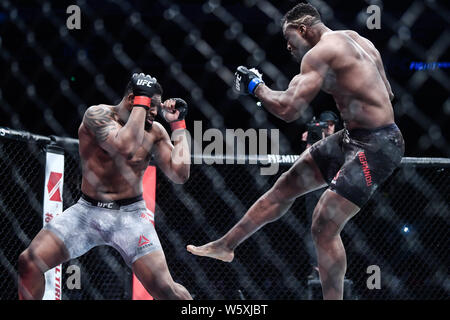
(100, 122)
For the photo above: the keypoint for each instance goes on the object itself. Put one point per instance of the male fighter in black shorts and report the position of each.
(116, 143)
(352, 162)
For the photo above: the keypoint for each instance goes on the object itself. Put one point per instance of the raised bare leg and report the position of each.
(304, 176)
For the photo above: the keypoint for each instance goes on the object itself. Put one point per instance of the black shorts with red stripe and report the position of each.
(355, 162)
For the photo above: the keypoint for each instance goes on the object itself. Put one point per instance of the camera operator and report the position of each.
(316, 130)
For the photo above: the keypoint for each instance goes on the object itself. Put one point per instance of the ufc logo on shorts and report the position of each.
(105, 205)
(143, 82)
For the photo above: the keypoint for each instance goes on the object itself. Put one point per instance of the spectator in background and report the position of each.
(316, 130)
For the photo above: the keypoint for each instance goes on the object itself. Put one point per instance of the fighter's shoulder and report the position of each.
(343, 42)
(357, 37)
(98, 116)
(344, 37)
(330, 43)
(158, 131)
(318, 56)
(336, 35)
(98, 110)
(336, 39)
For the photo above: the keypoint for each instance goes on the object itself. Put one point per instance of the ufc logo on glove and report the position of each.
(238, 82)
(143, 82)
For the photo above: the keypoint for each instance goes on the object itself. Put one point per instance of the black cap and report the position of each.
(328, 116)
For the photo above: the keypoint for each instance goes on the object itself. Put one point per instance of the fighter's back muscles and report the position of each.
(370, 49)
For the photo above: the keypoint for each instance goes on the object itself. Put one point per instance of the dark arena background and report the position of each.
(51, 74)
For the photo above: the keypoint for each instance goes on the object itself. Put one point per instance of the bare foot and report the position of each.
(212, 250)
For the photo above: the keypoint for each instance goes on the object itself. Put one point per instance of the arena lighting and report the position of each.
(428, 65)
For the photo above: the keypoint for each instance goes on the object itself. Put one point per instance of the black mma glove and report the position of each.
(182, 107)
(247, 80)
(176, 123)
(144, 87)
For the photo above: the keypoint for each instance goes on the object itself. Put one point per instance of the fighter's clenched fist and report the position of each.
(246, 80)
(143, 84)
(174, 109)
(144, 87)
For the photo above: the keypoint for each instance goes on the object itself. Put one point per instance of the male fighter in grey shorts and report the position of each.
(116, 143)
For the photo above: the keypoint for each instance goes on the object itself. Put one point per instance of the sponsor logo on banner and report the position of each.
(282, 158)
(48, 217)
(52, 207)
(53, 186)
(58, 283)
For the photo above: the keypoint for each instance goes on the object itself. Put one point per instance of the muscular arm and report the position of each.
(126, 140)
(288, 105)
(173, 160)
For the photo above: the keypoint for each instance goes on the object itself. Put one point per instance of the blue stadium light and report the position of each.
(418, 65)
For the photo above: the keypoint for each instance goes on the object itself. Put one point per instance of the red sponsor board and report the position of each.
(53, 186)
(149, 184)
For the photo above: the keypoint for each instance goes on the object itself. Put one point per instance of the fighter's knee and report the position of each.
(294, 182)
(26, 263)
(289, 179)
(323, 229)
(316, 229)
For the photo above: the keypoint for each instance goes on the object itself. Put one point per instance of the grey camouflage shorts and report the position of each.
(127, 228)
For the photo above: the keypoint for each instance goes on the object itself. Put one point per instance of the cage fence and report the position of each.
(403, 230)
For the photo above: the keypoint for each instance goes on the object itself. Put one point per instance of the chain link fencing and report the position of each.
(22, 170)
(22, 178)
(403, 230)
(193, 49)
